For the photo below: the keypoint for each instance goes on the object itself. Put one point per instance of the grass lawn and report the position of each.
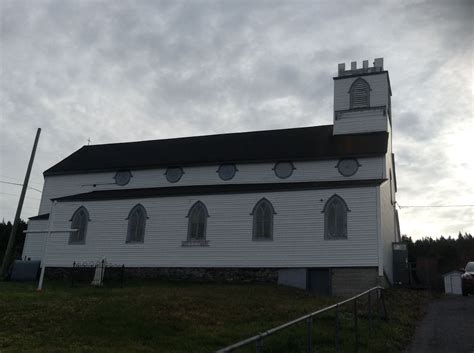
(178, 317)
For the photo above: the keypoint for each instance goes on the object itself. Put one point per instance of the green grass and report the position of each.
(178, 317)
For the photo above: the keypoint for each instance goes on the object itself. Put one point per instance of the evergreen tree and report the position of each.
(451, 253)
(5, 229)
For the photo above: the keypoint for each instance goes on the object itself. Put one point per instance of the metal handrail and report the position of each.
(258, 338)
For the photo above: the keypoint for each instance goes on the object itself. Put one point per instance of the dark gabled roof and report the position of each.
(39, 217)
(305, 143)
(216, 189)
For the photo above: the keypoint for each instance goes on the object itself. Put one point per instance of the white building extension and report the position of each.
(312, 207)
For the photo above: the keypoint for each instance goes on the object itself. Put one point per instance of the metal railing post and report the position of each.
(121, 276)
(337, 329)
(259, 346)
(356, 333)
(72, 273)
(102, 272)
(369, 306)
(377, 302)
(384, 309)
(309, 342)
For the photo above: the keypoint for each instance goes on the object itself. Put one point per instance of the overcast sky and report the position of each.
(116, 71)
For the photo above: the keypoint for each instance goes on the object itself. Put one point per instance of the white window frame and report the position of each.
(129, 239)
(255, 214)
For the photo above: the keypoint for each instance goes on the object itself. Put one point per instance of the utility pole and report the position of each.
(11, 241)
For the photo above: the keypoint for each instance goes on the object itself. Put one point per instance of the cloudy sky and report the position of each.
(116, 71)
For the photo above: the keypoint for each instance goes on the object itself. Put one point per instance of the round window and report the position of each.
(348, 167)
(227, 171)
(283, 169)
(123, 177)
(173, 174)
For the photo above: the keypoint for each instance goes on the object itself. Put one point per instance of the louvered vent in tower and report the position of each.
(360, 94)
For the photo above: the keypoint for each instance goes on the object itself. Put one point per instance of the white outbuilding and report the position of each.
(452, 282)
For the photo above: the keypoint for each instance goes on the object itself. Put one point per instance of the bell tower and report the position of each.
(362, 99)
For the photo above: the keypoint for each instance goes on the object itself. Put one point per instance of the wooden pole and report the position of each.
(7, 258)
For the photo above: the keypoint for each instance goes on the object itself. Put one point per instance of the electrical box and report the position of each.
(400, 263)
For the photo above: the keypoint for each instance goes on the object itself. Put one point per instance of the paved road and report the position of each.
(448, 327)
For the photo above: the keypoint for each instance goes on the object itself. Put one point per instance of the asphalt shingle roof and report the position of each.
(307, 143)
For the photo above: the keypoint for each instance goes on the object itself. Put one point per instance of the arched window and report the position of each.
(136, 224)
(335, 218)
(79, 221)
(263, 220)
(360, 94)
(197, 222)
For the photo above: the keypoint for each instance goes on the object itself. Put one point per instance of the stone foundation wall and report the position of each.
(350, 281)
(344, 282)
(65, 273)
(172, 273)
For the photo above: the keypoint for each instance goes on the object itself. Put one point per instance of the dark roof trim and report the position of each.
(39, 217)
(367, 74)
(216, 189)
(235, 161)
(362, 109)
(360, 74)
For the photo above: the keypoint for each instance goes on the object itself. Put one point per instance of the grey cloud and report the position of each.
(411, 125)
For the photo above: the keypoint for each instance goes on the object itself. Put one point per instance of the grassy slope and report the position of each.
(182, 317)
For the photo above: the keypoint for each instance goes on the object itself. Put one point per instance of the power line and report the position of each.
(13, 178)
(32, 209)
(10, 183)
(28, 197)
(431, 206)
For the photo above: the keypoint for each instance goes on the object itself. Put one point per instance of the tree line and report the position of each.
(450, 253)
(5, 229)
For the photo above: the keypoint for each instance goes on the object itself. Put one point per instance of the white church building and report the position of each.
(312, 207)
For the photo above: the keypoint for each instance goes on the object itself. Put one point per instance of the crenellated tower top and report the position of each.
(365, 69)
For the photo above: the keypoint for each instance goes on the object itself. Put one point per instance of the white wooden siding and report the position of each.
(298, 239)
(34, 242)
(361, 122)
(379, 94)
(364, 121)
(388, 234)
(64, 185)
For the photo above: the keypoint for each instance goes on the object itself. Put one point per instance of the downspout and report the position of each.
(379, 231)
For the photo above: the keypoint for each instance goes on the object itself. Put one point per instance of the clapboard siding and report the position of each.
(379, 94)
(298, 239)
(34, 242)
(64, 185)
(361, 121)
(387, 212)
(360, 124)
(389, 229)
(354, 114)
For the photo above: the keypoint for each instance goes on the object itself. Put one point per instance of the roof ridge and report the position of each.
(212, 135)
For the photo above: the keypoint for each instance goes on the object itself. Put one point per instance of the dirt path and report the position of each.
(448, 327)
